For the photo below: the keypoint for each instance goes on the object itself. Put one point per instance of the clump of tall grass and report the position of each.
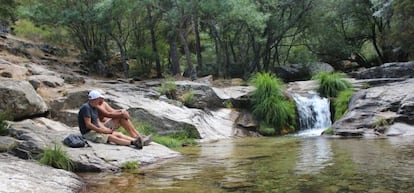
(341, 103)
(330, 84)
(57, 158)
(270, 105)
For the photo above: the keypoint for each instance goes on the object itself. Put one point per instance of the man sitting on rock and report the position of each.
(92, 129)
(114, 118)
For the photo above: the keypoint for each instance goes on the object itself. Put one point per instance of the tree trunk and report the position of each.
(154, 43)
(175, 65)
(198, 43)
(190, 66)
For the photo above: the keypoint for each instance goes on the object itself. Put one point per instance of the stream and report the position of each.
(302, 163)
(278, 164)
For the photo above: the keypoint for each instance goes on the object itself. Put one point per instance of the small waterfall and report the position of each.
(314, 114)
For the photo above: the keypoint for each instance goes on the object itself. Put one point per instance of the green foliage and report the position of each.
(228, 104)
(130, 165)
(57, 158)
(269, 103)
(188, 98)
(267, 86)
(168, 141)
(8, 10)
(301, 55)
(27, 29)
(341, 103)
(328, 131)
(330, 84)
(186, 136)
(168, 88)
(403, 26)
(266, 130)
(4, 125)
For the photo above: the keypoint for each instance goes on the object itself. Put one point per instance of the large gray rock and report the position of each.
(298, 72)
(388, 70)
(36, 135)
(46, 80)
(204, 95)
(17, 175)
(19, 98)
(374, 110)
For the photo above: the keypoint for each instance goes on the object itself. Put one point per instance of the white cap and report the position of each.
(94, 95)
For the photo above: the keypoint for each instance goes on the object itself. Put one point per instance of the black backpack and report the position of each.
(75, 141)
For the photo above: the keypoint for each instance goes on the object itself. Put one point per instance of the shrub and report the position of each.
(269, 103)
(341, 103)
(330, 84)
(56, 158)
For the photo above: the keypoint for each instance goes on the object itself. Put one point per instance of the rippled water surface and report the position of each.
(282, 164)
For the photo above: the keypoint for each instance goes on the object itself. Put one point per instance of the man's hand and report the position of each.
(125, 114)
(107, 130)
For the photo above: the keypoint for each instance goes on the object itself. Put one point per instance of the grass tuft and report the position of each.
(57, 158)
(330, 84)
(270, 105)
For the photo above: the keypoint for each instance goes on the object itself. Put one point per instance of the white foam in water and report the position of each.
(314, 114)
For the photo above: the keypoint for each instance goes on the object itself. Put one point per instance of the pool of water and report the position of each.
(281, 164)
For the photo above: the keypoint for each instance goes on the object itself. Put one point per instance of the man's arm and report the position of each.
(100, 129)
(107, 111)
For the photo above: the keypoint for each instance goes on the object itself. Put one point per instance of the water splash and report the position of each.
(314, 114)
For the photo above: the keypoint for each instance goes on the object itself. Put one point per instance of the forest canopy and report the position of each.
(232, 38)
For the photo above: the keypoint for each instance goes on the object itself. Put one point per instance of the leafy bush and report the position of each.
(4, 126)
(341, 103)
(330, 84)
(56, 158)
(269, 103)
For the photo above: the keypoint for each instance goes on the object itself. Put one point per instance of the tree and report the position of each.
(8, 11)
(403, 27)
(115, 19)
(81, 19)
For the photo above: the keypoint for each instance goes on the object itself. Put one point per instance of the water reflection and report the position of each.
(314, 155)
(299, 165)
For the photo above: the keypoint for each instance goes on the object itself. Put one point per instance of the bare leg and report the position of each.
(129, 127)
(115, 138)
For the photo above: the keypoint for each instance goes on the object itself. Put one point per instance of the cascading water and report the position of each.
(314, 114)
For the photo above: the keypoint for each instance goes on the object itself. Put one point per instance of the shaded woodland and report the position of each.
(232, 38)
